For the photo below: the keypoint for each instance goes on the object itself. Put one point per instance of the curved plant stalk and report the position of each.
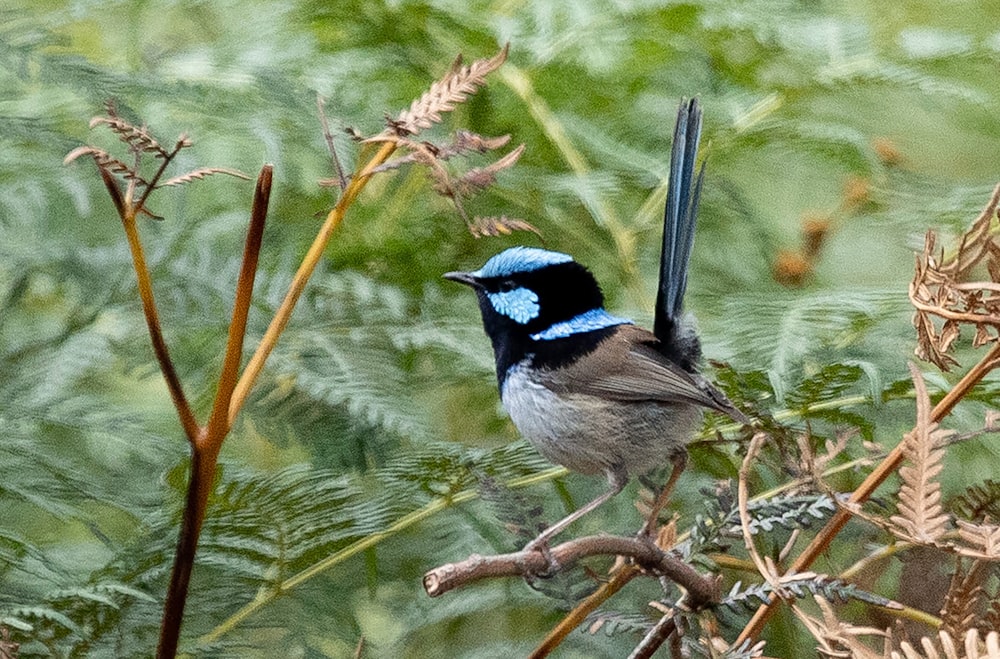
(128, 210)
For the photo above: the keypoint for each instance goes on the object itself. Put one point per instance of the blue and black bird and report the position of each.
(590, 390)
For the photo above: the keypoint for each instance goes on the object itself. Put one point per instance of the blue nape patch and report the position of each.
(520, 259)
(520, 304)
(589, 321)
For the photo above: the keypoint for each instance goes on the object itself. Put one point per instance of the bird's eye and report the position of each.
(507, 285)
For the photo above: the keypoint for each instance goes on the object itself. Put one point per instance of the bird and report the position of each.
(590, 390)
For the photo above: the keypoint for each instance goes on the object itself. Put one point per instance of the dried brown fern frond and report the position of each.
(939, 291)
(921, 518)
(445, 94)
(137, 137)
(105, 161)
(130, 198)
(836, 638)
(202, 173)
(463, 143)
(963, 604)
(971, 646)
(991, 619)
(478, 178)
(497, 226)
(981, 540)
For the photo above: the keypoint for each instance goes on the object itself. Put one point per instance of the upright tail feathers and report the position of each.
(679, 217)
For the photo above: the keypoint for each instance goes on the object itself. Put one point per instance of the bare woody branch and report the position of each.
(702, 590)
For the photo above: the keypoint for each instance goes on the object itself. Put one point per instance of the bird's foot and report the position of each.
(541, 545)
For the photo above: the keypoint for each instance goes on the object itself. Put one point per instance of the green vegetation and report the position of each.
(372, 448)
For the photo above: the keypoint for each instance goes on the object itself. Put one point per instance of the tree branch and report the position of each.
(702, 590)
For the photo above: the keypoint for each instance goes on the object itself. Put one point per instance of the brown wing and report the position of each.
(628, 368)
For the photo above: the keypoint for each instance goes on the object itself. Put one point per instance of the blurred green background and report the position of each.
(859, 124)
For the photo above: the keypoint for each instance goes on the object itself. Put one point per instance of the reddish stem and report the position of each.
(205, 446)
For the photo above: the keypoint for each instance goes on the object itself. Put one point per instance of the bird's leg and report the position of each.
(679, 461)
(616, 481)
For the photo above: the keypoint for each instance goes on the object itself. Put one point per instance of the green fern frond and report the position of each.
(789, 512)
(809, 585)
(979, 502)
(613, 623)
(37, 617)
(777, 333)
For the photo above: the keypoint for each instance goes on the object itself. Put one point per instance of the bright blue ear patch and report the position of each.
(520, 304)
(520, 259)
(588, 321)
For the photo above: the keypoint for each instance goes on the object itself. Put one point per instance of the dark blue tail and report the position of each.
(679, 221)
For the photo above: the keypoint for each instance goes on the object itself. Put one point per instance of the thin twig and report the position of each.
(328, 136)
(651, 642)
(576, 617)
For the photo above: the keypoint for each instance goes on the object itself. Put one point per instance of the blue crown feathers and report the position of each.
(520, 259)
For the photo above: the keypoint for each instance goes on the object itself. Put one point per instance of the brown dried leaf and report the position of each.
(921, 517)
(103, 159)
(982, 539)
(495, 226)
(478, 178)
(964, 600)
(982, 336)
(927, 347)
(452, 89)
(939, 289)
(949, 332)
(972, 646)
(975, 242)
(202, 173)
(137, 137)
(836, 638)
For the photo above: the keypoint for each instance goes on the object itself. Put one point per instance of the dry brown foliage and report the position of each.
(445, 94)
(939, 290)
(921, 518)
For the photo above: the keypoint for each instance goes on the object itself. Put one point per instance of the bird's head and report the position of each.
(535, 294)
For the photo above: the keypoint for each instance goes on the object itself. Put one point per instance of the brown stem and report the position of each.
(203, 461)
(656, 637)
(219, 418)
(701, 590)
(302, 275)
(887, 467)
(576, 617)
(188, 422)
(205, 447)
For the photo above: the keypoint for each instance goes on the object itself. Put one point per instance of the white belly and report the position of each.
(592, 435)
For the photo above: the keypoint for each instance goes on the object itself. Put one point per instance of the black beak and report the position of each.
(466, 278)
